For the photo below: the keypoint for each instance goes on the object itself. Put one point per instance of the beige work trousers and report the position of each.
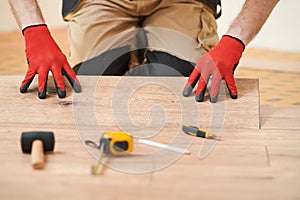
(184, 28)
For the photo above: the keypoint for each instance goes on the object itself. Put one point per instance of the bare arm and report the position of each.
(26, 12)
(251, 18)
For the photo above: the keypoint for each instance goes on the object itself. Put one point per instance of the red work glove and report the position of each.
(43, 55)
(219, 63)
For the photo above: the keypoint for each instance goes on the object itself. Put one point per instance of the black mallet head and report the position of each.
(27, 139)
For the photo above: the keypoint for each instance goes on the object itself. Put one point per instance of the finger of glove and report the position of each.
(202, 84)
(71, 76)
(215, 87)
(42, 84)
(30, 74)
(232, 89)
(59, 82)
(192, 81)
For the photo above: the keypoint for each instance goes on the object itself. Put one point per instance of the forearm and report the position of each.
(26, 12)
(251, 18)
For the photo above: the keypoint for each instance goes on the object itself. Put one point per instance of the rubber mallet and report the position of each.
(37, 143)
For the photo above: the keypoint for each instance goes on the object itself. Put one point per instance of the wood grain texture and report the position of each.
(133, 97)
(280, 118)
(246, 163)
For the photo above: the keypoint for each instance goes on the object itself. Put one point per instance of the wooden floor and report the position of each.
(257, 156)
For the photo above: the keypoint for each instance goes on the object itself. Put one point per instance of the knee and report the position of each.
(174, 63)
(112, 62)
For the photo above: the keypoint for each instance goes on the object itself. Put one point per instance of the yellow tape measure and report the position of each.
(117, 142)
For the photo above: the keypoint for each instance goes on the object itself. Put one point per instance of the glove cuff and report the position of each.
(237, 39)
(32, 26)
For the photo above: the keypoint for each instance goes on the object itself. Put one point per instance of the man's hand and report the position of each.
(219, 63)
(44, 55)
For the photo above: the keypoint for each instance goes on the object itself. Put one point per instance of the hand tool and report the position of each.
(117, 142)
(197, 132)
(37, 143)
(111, 143)
(121, 143)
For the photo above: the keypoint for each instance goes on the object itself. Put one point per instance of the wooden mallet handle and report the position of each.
(37, 155)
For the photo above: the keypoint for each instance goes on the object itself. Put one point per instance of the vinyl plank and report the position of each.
(112, 101)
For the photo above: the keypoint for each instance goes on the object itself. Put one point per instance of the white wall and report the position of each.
(281, 31)
(51, 10)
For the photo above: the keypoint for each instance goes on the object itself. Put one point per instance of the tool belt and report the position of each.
(70, 5)
(213, 5)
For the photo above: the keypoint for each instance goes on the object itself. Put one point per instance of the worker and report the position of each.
(140, 37)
